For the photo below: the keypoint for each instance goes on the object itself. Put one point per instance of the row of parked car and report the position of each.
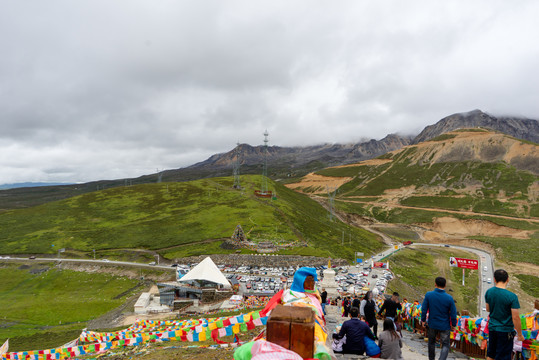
(259, 270)
(255, 283)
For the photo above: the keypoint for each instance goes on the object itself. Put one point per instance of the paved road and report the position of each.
(485, 260)
(90, 261)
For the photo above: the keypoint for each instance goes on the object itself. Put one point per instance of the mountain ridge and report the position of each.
(521, 128)
(284, 163)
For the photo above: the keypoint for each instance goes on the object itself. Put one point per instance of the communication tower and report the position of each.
(236, 169)
(331, 201)
(264, 189)
(264, 192)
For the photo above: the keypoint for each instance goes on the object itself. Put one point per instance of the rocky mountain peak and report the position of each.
(521, 128)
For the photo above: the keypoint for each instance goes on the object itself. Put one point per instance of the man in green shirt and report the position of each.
(503, 307)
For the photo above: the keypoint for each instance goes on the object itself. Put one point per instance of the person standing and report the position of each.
(503, 307)
(355, 331)
(324, 298)
(346, 303)
(390, 342)
(356, 302)
(391, 306)
(442, 317)
(368, 309)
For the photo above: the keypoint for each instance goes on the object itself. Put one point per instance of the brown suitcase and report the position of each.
(292, 327)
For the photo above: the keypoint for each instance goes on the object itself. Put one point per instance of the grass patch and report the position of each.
(347, 171)
(529, 283)
(452, 175)
(443, 137)
(395, 215)
(472, 130)
(54, 303)
(513, 250)
(399, 234)
(440, 202)
(416, 270)
(468, 203)
(200, 249)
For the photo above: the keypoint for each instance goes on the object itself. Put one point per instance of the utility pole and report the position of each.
(236, 168)
(331, 200)
(342, 243)
(157, 259)
(94, 254)
(264, 189)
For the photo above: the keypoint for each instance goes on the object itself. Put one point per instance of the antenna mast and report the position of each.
(331, 201)
(236, 169)
(264, 189)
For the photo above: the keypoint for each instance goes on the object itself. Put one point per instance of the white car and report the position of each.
(485, 268)
(489, 281)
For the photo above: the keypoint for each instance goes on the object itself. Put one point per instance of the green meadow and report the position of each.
(179, 219)
(43, 306)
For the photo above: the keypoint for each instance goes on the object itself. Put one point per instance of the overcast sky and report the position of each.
(105, 89)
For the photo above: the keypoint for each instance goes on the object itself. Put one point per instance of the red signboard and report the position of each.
(379, 265)
(464, 263)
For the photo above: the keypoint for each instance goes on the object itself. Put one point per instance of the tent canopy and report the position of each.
(208, 271)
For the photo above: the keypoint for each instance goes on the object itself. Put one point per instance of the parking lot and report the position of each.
(268, 280)
(360, 279)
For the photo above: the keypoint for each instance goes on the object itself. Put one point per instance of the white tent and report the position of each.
(208, 271)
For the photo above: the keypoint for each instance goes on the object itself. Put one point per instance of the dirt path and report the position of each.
(463, 212)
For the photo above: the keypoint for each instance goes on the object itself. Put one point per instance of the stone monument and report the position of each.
(329, 282)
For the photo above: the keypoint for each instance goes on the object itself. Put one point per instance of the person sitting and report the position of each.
(355, 331)
(390, 342)
(302, 293)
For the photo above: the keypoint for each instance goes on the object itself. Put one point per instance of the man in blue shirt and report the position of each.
(503, 307)
(442, 317)
(355, 331)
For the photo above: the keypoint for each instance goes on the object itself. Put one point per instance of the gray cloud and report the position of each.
(107, 89)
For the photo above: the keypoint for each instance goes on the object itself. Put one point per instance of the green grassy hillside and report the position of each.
(416, 270)
(485, 173)
(170, 217)
(54, 303)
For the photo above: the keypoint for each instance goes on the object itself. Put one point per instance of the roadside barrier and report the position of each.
(471, 334)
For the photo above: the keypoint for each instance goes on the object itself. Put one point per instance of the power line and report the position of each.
(331, 201)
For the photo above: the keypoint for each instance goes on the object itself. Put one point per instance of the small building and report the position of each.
(142, 303)
(204, 282)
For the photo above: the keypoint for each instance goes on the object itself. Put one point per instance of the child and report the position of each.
(390, 342)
